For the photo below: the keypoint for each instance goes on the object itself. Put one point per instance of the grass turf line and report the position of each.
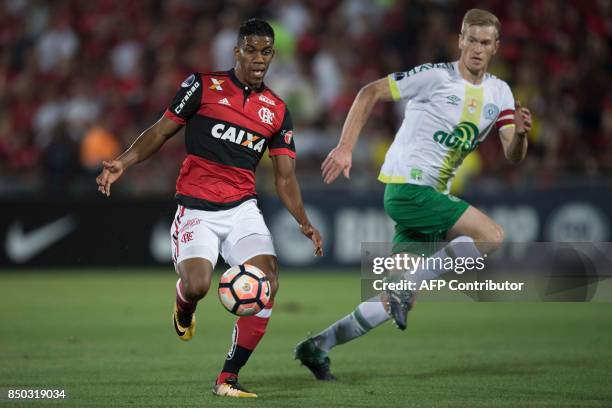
(106, 337)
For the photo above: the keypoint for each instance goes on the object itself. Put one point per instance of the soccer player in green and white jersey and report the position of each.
(452, 108)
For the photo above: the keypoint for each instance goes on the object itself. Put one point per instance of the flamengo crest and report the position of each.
(266, 115)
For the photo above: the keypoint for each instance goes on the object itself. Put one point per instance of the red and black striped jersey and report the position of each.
(229, 126)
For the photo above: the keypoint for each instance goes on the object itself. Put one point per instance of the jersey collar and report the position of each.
(465, 81)
(244, 87)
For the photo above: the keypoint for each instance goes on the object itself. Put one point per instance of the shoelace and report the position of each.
(235, 388)
(233, 391)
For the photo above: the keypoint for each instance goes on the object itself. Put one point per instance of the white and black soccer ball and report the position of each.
(244, 290)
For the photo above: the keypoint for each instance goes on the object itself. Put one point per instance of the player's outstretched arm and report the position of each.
(142, 148)
(340, 158)
(288, 190)
(514, 138)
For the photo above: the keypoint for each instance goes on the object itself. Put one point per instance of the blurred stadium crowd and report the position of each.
(80, 79)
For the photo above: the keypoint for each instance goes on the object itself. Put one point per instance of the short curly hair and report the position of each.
(255, 26)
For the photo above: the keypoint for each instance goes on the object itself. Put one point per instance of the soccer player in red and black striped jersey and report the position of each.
(230, 119)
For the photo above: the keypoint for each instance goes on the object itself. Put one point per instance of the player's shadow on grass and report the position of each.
(288, 381)
(345, 377)
(283, 387)
(359, 377)
(503, 368)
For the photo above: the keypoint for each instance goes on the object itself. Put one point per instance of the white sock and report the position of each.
(365, 317)
(460, 247)
(371, 313)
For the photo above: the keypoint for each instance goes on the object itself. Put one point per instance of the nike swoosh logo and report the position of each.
(178, 331)
(21, 247)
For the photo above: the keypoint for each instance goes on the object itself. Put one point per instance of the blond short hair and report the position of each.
(481, 18)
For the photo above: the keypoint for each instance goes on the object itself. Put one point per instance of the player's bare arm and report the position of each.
(514, 138)
(149, 142)
(340, 158)
(288, 190)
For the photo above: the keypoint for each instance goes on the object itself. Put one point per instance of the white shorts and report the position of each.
(239, 234)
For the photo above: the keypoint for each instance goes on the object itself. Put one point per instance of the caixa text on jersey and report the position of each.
(238, 136)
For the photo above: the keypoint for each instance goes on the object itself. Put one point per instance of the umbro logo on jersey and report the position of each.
(238, 136)
(453, 100)
(267, 100)
(216, 84)
(224, 101)
(266, 115)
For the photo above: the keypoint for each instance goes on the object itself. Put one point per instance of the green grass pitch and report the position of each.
(106, 337)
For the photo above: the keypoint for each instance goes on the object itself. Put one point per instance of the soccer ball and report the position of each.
(244, 290)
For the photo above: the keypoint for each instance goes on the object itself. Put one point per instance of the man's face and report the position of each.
(478, 44)
(253, 56)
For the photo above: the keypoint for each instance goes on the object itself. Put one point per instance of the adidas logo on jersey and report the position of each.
(238, 136)
(224, 101)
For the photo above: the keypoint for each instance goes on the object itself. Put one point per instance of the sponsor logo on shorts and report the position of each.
(191, 223)
(453, 198)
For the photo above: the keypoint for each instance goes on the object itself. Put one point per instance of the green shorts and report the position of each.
(422, 216)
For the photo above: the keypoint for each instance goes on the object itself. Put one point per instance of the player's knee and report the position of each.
(496, 236)
(274, 286)
(272, 275)
(268, 265)
(273, 279)
(195, 287)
